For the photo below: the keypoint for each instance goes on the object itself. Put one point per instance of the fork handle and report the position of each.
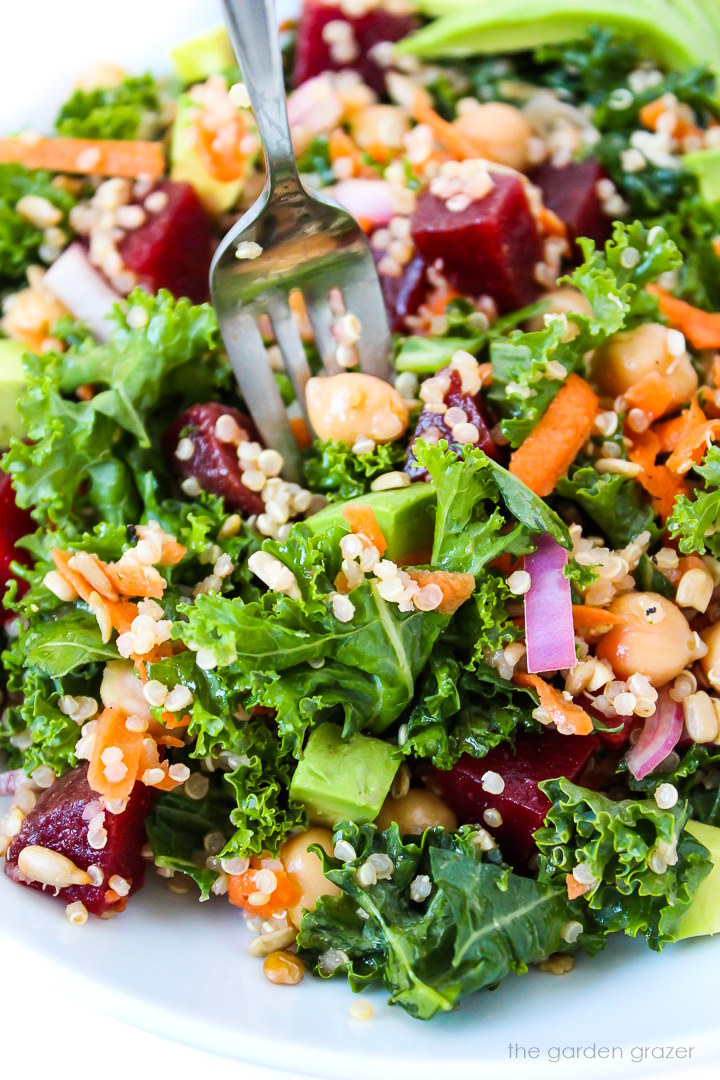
(253, 29)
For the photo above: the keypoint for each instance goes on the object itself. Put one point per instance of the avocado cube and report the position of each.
(343, 779)
(406, 517)
(703, 915)
(706, 166)
(12, 384)
(203, 55)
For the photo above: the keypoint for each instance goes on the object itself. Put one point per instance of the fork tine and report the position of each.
(363, 297)
(321, 320)
(290, 343)
(251, 365)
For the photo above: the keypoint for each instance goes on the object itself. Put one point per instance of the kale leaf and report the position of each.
(130, 110)
(20, 240)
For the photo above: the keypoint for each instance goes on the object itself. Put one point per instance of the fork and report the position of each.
(304, 241)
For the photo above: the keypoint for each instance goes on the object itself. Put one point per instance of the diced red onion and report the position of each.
(368, 200)
(9, 781)
(549, 633)
(658, 738)
(83, 291)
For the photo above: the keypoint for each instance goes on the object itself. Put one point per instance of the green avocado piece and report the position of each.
(706, 166)
(406, 517)
(343, 779)
(12, 384)
(186, 165)
(203, 55)
(484, 26)
(703, 915)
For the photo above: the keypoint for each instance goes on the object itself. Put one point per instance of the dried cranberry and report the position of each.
(570, 191)
(403, 294)
(521, 804)
(214, 464)
(432, 426)
(59, 822)
(173, 249)
(491, 248)
(14, 523)
(313, 54)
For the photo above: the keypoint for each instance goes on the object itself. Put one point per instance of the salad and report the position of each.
(450, 707)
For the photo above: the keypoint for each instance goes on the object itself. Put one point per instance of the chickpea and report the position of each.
(380, 126)
(629, 355)
(711, 661)
(306, 868)
(564, 301)
(415, 812)
(501, 132)
(654, 639)
(345, 406)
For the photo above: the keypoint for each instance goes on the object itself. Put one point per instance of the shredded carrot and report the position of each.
(574, 888)
(691, 438)
(551, 448)
(568, 717)
(120, 612)
(662, 485)
(445, 133)
(286, 893)
(650, 115)
(716, 246)
(169, 740)
(439, 299)
(111, 736)
(172, 552)
(301, 432)
(594, 619)
(653, 394)
(701, 328)
(340, 145)
(456, 587)
(93, 157)
(551, 224)
(136, 579)
(361, 519)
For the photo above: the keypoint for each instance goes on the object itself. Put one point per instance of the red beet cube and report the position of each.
(490, 248)
(314, 54)
(14, 523)
(404, 293)
(173, 249)
(570, 191)
(432, 426)
(60, 822)
(521, 804)
(213, 463)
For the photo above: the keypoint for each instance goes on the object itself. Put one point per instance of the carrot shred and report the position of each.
(340, 145)
(574, 888)
(112, 734)
(653, 394)
(701, 328)
(689, 438)
(171, 721)
(456, 587)
(361, 519)
(567, 717)
(591, 618)
(301, 432)
(551, 224)
(444, 132)
(242, 886)
(650, 115)
(136, 579)
(549, 450)
(662, 485)
(93, 157)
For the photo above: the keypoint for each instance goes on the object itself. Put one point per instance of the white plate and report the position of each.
(182, 970)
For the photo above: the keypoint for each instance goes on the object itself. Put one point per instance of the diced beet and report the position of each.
(214, 464)
(403, 294)
(59, 822)
(313, 54)
(173, 249)
(432, 426)
(570, 191)
(521, 804)
(491, 248)
(14, 523)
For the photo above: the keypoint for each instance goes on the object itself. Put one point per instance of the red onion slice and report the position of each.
(549, 633)
(366, 200)
(83, 291)
(658, 738)
(9, 781)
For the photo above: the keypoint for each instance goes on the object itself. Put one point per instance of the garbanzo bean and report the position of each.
(306, 868)
(654, 639)
(345, 406)
(711, 661)
(501, 132)
(415, 812)
(628, 356)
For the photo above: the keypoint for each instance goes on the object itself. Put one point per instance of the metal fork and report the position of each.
(307, 243)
